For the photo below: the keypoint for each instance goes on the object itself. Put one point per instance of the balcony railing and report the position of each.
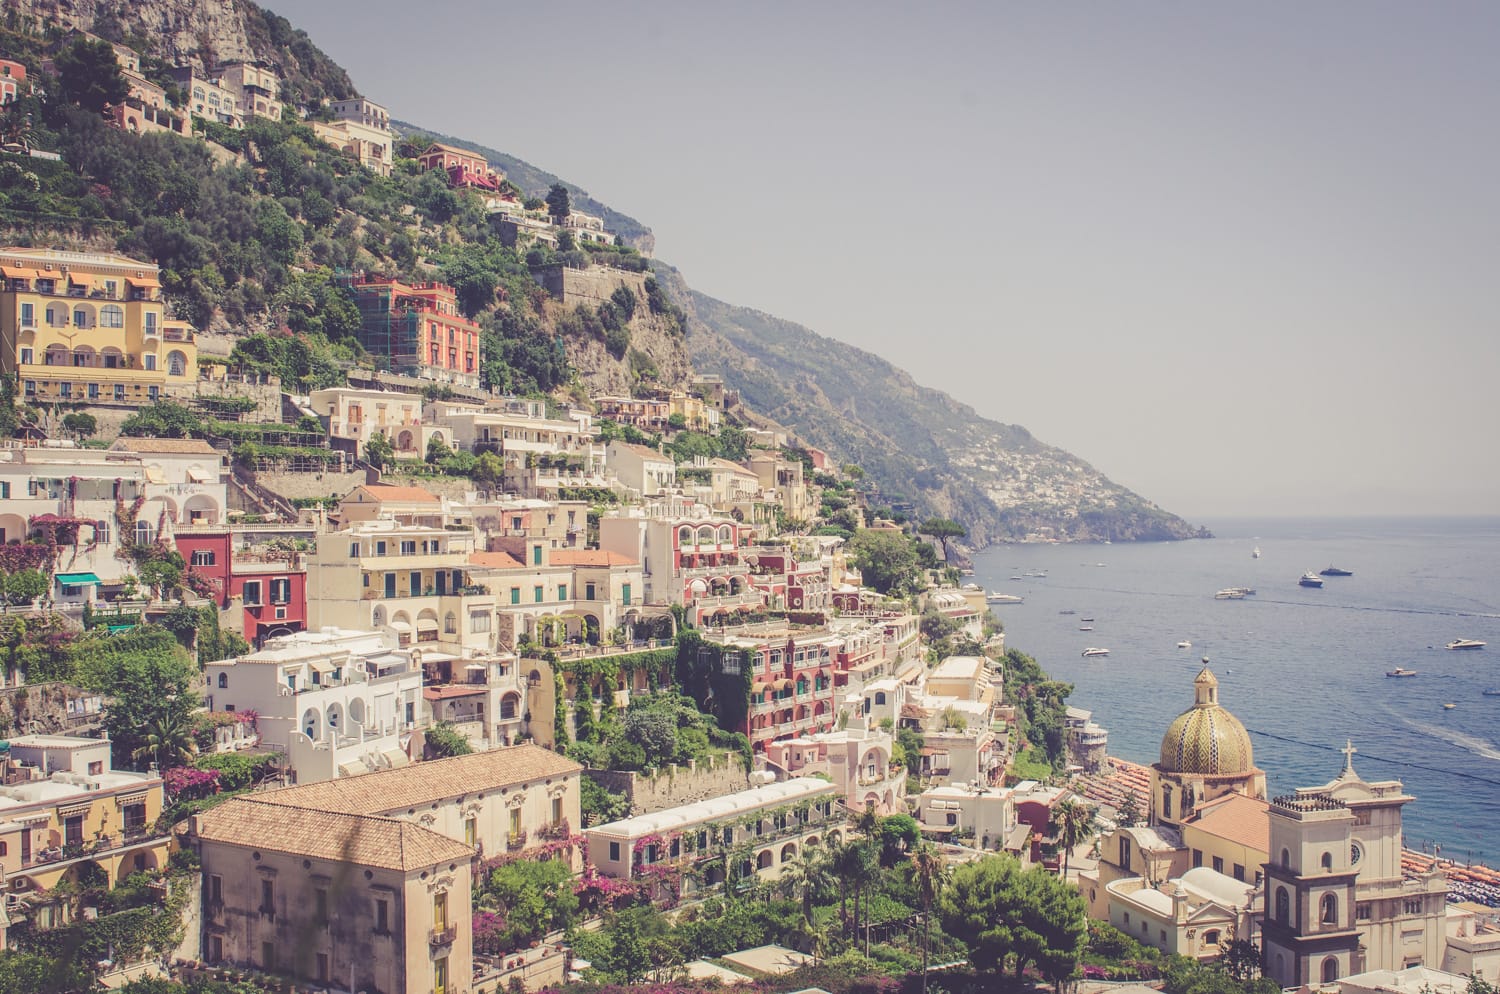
(443, 936)
(515, 840)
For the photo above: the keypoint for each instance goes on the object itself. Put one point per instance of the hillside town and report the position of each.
(399, 682)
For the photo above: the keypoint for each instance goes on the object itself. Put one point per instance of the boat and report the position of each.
(1465, 644)
(1398, 671)
(1310, 579)
(1230, 594)
(1247, 591)
(1091, 651)
(1184, 644)
(1069, 611)
(1085, 628)
(1335, 571)
(1492, 692)
(994, 598)
(1255, 552)
(1038, 574)
(1449, 707)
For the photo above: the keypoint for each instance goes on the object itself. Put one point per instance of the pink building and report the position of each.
(12, 81)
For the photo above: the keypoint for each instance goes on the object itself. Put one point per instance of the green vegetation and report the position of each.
(1014, 918)
(444, 740)
(1041, 706)
(886, 560)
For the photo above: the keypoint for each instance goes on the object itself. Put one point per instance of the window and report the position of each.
(536, 555)
(251, 591)
(515, 595)
(101, 527)
(562, 591)
(26, 357)
(203, 557)
(479, 621)
(223, 681)
(440, 910)
(382, 916)
(588, 591)
(557, 811)
(119, 391)
(148, 360)
(450, 623)
(353, 550)
(1239, 872)
(322, 968)
(471, 830)
(1283, 906)
(152, 392)
(380, 548)
(1330, 970)
(28, 315)
(110, 316)
(1286, 859)
(1412, 906)
(96, 768)
(408, 548)
(1197, 857)
(215, 889)
(320, 906)
(144, 532)
(151, 317)
(440, 976)
(1330, 906)
(268, 957)
(267, 896)
(281, 590)
(614, 852)
(93, 391)
(176, 363)
(1326, 862)
(625, 593)
(1362, 911)
(537, 592)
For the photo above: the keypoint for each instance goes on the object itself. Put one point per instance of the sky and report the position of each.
(1242, 258)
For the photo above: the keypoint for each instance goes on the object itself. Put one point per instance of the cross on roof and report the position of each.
(1348, 752)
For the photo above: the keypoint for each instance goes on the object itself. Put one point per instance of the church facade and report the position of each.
(1336, 900)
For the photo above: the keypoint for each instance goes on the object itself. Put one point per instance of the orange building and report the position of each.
(418, 327)
(464, 168)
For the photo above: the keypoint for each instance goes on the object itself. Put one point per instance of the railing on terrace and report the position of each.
(90, 849)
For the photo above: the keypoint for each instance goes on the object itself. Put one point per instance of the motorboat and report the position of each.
(1335, 571)
(1398, 671)
(1465, 644)
(1247, 591)
(1068, 611)
(1085, 620)
(1038, 574)
(1229, 594)
(1085, 628)
(1184, 644)
(1094, 652)
(995, 598)
(1310, 579)
(1492, 692)
(1449, 707)
(1255, 552)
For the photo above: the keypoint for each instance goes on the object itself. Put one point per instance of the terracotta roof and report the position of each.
(387, 843)
(195, 446)
(423, 783)
(1236, 818)
(496, 560)
(454, 690)
(590, 557)
(644, 451)
(386, 491)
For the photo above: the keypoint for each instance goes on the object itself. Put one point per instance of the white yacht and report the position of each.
(1465, 644)
(1094, 652)
(1310, 579)
(995, 598)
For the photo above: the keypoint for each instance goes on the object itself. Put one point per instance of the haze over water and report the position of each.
(1304, 669)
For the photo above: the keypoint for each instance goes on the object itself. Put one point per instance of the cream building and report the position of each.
(856, 758)
(642, 469)
(334, 898)
(988, 813)
(361, 414)
(1197, 915)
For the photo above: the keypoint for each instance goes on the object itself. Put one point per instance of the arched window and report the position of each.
(879, 697)
(223, 681)
(111, 316)
(144, 532)
(1330, 915)
(1283, 906)
(450, 623)
(1327, 861)
(176, 363)
(1166, 800)
(1211, 937)
(1286, 859)
(1330, 970)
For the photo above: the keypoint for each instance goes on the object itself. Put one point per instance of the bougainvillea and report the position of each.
(187, 783)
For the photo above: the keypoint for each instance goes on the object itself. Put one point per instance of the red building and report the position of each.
(464, 168)
(418, 327)
(273, 591)
(12, 81)
(791, 685)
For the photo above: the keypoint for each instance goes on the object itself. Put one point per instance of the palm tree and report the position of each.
(806, 872)
(1073, 822)
(168, 739)
(929, 869)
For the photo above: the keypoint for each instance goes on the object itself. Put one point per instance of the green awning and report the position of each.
(78, 579)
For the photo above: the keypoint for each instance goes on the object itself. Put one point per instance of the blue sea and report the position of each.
(1304, 669)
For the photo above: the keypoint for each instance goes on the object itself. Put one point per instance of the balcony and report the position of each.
(515, 840)
(442, 936)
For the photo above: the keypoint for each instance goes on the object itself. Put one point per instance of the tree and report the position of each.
(443, 740)
(928, 871)
(25, 585)
(379, 452)
(942, 529)
(167, 740)
(149, 678)
(80, 425)
(1129, 813)
(488, 469)
(1030, 918)
(805, 875)
(899, 835)
(558, 203)
(437, 450)
(89, 75)
(885, 559)
(1073, 824)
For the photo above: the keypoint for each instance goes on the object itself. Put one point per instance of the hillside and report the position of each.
(918, 444)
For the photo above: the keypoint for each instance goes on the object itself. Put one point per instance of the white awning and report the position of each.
(154, 475)
(396, 757)
(476, 666)
(321, 665)
(353, 768)
(427, 625)
(399, 626)
(198, 475)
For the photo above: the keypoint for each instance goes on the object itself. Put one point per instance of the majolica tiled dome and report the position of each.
(1206, 739)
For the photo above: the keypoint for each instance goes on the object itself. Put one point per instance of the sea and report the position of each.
(1304, 669)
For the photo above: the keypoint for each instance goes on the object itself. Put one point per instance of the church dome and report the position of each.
(1206, 739)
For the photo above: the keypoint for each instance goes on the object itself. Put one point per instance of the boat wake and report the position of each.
(1474, 744)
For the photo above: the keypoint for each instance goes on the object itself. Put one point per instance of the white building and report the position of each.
(335, 702)
(642, 469)
(1196, 915)
(986, 816)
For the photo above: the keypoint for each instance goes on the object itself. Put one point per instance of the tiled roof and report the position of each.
(387, 491)
(590, 557)
(495, 560)
(644, 451)
(387, 843)
(195, 446)
(423, 783)
(1236, 818)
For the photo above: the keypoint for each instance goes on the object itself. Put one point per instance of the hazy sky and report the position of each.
(1242, 258)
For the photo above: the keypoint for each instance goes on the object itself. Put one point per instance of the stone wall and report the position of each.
(590, 286)
(325, 484)
(676, 785)
(48, 709)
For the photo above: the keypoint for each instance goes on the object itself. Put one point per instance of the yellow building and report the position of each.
(89, 327)
(64, 812)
